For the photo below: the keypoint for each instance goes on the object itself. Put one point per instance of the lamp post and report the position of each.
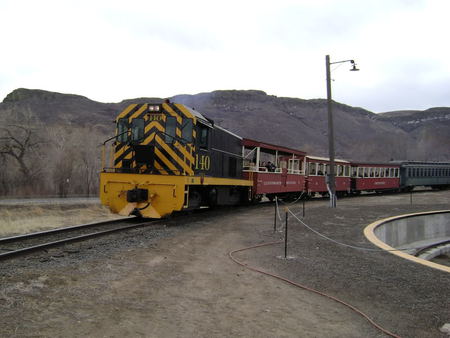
(331, 174)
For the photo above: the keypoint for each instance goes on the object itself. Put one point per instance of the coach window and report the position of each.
(347, 171)
(186, 130)
(360, 172)
(122, 130)
(320, 170)
(381, 172)
(137, 130)
(396, 172)
(171, 127)
(312, 168)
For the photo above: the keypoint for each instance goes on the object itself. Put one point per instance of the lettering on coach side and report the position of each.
(202, 162)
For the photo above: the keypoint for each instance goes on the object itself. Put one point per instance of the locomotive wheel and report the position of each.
(195, 199)
(212, 197)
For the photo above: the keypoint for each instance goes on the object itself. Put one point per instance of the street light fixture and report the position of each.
(331, 174)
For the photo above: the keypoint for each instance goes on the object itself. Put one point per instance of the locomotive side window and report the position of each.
(171, 126)
(122, 130)
(186, 130)
(137, 130)
(203, 136)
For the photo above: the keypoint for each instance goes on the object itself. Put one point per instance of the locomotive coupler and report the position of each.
(137, 195)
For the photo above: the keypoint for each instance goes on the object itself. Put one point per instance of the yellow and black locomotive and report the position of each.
(167, 157)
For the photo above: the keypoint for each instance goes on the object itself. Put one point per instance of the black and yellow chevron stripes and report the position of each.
(173, 158)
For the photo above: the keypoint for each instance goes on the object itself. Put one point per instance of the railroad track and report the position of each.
(433, 250)
(23, 244)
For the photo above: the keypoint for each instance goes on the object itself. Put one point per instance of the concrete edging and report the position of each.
(370, 235)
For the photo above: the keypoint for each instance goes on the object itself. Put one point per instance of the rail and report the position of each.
(27, 243)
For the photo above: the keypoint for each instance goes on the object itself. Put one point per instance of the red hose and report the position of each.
(305, 287)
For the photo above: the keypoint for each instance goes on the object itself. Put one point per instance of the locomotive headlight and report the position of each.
(153, 108)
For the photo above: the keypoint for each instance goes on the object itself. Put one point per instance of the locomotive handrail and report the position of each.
(104, 148)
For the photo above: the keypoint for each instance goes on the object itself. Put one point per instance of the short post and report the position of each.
(275, 216)
(410, 197)
(286, 235)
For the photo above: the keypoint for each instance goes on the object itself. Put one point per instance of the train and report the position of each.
(166, 157)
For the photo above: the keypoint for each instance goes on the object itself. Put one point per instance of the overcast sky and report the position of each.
(113, 50)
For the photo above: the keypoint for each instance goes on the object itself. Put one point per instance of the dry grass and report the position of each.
(25, 219)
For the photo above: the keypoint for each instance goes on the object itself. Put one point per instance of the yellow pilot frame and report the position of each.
(166, 193)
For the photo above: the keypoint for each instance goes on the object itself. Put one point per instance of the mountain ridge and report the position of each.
(292, 122)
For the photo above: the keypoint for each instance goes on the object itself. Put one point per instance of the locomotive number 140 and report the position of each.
(202, 162)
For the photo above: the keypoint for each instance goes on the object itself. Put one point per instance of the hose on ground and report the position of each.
(230, 254)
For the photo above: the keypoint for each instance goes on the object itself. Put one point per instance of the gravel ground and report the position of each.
(176, 280)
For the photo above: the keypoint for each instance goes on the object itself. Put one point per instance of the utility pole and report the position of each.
(331, 174)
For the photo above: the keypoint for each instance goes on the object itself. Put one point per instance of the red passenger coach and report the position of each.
(375, 177)
(317, 170)
(274, 170)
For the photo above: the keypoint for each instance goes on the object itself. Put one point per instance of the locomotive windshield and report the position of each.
(137, 130)
(171, 126)
(122, 130)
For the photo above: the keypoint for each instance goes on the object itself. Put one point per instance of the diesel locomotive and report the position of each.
(167, 157)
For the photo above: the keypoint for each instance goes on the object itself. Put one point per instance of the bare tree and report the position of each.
(88, 159)
(19, 143)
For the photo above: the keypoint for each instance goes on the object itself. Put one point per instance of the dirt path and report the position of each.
(182, 285)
